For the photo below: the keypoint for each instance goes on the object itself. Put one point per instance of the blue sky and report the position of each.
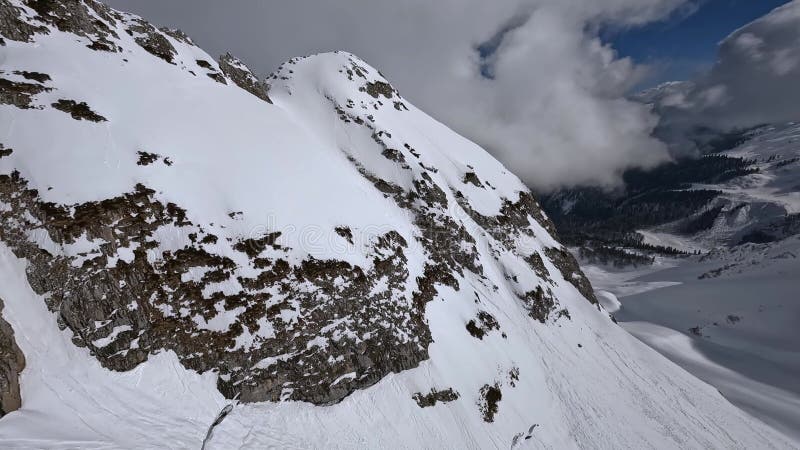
(683, 46)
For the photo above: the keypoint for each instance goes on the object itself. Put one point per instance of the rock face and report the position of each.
(283, 327)
(12, 361)
(240, 74)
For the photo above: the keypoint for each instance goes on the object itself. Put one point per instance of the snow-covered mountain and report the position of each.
(760, 203)
(191, 256)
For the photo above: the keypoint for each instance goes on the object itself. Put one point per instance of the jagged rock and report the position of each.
(481, 326)
(513, 376)
(539, 303)
(378, 88)
(571, 271)
(130, 221)
(212, 73)
(345, 232)
(12, 361)
(78, 111)
(150, 39)
(13, 26)
(490, 397)
(435, 396)
(472, 178)
(243, 77)
(394, 155)
(77, 17)
(145, 158)
(177, 34)
(36, 76)
(19, 94)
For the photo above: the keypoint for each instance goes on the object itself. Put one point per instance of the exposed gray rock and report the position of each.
(212, 73)
(14, 26)
(243, 77)
(177, 34)
(35, 76)
(152, 40)
(490, 397)
(482, 325)
(19, 94)
(78, 111)
(472, 178)
(539, 303)
(12, 361)
(435, 396)
(79, 17)
(379, 88)
(93, 299)
(571, 271)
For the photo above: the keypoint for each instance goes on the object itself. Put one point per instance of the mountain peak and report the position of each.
(340, 76)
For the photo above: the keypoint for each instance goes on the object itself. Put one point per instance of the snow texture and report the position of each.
(243, 167)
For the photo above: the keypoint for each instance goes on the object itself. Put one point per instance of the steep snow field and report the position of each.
(333, 148)
(70, 401)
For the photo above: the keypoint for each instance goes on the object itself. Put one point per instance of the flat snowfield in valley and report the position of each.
(730, 318)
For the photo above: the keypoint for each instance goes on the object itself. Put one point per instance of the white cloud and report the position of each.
(553, 110)
(750, 44)
(754, 81)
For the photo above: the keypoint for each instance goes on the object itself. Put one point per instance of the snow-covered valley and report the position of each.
(735, 328)
(699, 260)
(728, 315)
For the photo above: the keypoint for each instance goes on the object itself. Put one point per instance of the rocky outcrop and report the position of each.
(571, 271)
(19, 94)
(490, 398)
(13, 25)
(435, 396)
(482, 325)
(243, 77)
(152, 40)
(78, 110)
(272, 322)
(79, 17)
(12, 361)
(320, 327)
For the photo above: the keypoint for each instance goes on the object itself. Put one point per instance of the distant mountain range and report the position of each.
(744, 187)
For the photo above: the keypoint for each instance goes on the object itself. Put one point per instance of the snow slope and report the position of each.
(601, 402)
(333, 257)
(70, 401)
